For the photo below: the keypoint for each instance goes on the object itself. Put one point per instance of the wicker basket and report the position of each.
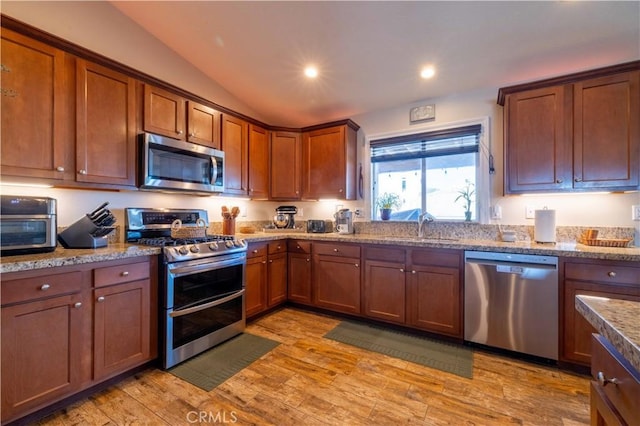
(179, 231)
(606, 242)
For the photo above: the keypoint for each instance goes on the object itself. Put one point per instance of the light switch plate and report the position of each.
(529, 212)
(635, 212)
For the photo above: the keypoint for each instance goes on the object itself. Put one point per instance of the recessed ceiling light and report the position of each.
(427, 72)
(311, 71)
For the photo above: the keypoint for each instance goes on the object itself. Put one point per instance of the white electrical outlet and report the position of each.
(496, 212)
(529, 212)
(635, 212)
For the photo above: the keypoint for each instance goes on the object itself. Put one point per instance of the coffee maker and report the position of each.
(344, 221)
(284, 217)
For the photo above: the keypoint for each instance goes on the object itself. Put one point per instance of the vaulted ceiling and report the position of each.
(369, 54)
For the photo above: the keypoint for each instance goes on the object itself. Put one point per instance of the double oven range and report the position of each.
(202, 282)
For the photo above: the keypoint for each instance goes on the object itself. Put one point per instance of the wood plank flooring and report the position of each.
(309, 380)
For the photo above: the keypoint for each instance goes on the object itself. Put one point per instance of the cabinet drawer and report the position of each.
(437, 257)
(384, 253)
(278, 247)
(299, 247)
(624, 395)
(256, 250)
(343, 250)
(602, 273)
(121, 274)
(25, 289)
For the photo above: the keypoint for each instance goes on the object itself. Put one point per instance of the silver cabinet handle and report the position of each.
(413, 271)
(101, 299)
(578, 179)
(125, 273)
(264, 261)
(179, 132)
(356, 265)
(270, 260)
(255, 251)
(44, 287)
(603, 381)
(612, 274)
(308, 260)
(192, 134)
(401, 269)
(82, 172)
(77, 304)
(335, 250)
(60, 169)
(559, 180)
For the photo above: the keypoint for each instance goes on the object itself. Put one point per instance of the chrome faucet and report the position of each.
(422, 219)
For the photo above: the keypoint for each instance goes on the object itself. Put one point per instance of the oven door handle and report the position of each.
(209, 266)
(198, 308)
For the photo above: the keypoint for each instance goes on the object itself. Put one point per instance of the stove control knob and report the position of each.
(229, 244)
(183, 250)
(239, 243)
(195, 249)
(213, 246)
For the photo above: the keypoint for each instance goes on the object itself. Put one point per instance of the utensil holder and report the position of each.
(228, 225)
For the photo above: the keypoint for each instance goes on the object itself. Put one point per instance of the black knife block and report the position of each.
(84, 234)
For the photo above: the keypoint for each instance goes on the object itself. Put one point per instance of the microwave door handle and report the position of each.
(214, 170)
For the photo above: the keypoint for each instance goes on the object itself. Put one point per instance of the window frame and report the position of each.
(483, 179)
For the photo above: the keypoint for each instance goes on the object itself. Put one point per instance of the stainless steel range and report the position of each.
(202, 281)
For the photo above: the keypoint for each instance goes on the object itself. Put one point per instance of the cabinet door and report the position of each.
(299, 282)
(285, 158)
(258, 162)
(329, 169)
(235, 147)
(121, 327)
(204, 125)
(105, 125)
(34, 105)
(607, 132)
(538, 140)
(384, 290)
(41, 353)
(277, 288)
(164, 113)
(434, 299)
(336, 283)
(576, 331)
(256, 285)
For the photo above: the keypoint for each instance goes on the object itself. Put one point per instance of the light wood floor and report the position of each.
(309, 380)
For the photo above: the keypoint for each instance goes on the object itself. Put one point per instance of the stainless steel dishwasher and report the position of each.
(511, 302)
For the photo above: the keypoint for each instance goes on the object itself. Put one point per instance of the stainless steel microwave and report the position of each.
(173, 165)
(27, 224)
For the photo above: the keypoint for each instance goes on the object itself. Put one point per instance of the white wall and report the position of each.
(101, 28)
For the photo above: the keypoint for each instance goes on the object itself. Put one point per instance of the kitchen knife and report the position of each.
(94, 213)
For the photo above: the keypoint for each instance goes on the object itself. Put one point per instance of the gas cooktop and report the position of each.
(152, 227)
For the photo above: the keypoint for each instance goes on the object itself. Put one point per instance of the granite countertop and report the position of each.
(62, 257)
(617, 320)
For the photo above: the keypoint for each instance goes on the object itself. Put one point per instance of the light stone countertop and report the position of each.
(617, 320)
(63, 257)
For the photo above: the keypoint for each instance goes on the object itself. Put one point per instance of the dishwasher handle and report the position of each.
(511, 267)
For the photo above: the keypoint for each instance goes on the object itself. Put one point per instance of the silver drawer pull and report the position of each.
(335, 250)
(44, 287)
(77, 304)
(401, 269)
(101, 299)
(612, 274)
(125, 273)
(413, 271)
(603, 381)
(356, 265)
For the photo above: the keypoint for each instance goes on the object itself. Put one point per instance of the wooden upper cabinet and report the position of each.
(607, 132)
(35, 109)
(329, 163)
(258, 162)
(235, 146)
(204, 125)
(538, 140)
(574, 133)
(171, 115)
(286, 156)
(105, 125)
(164, 112)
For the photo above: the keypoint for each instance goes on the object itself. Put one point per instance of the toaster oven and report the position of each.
(27, 224)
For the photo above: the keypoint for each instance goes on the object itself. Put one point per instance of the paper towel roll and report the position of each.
(545, 226)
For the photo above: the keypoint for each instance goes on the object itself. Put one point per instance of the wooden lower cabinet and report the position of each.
(55, 343)
(384, 284)
(613, 403)
(591, 278)
(299, 272)
(336, 277)
(266, 276)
